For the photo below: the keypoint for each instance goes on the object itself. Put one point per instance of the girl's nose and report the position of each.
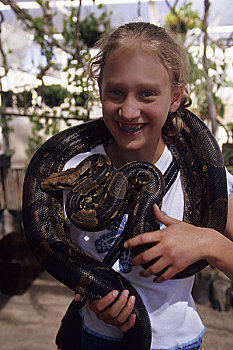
(129, 109)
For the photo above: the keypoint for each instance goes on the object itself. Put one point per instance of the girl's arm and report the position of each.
(222, 252)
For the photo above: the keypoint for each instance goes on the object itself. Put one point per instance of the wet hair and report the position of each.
(155, 40)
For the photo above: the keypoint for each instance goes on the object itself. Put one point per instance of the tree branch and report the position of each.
(4, 59)
(20, 13)
(77, 26)
(27, 19)
(172, 7)
(205, 61)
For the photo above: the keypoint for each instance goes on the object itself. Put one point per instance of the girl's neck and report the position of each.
(119, 156)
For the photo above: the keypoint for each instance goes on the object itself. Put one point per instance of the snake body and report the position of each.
(133, 189)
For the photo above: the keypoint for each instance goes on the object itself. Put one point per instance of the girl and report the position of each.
(141, 73)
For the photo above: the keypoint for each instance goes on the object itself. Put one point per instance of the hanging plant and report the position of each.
(24, 99)
(53, 95)
(89, 30)
(90, 37)
(81, 99)
(92, 27)
(7, 98)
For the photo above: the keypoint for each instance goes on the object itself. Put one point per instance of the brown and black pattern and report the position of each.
(205, 192)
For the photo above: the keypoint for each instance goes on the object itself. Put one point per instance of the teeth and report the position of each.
(130, 129)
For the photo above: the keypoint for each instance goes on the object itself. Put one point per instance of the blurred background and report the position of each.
(45, 47)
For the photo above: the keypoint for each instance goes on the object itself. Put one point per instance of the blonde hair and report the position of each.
(157, 40)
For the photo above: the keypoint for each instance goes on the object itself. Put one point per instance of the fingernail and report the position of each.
(126, 293)
(126, 245)
(115, 293)
(132, 299)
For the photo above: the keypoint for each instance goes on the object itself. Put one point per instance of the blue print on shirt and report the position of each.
(125, 261)
(104, 242)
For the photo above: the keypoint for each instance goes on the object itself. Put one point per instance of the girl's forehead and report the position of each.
(128, 52)
(138, 56)
(136, 66)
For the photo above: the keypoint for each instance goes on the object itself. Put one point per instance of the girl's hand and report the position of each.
(177, 246)
(115, 312)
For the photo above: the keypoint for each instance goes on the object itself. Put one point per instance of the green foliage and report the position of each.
(197, 83)
(184, 22)
(7, 98)
(54, 103)
(230, 126)
(24, 99)
(182, 19)
(220, 106)
(227, 152)
(53, 95)
(91, 27)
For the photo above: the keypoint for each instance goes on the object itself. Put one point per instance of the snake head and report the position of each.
(59, 181)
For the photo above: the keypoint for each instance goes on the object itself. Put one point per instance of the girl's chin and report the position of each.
(130, 146)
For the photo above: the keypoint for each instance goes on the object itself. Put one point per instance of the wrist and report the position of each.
(204, 241)
(217, 250)
(212, 249)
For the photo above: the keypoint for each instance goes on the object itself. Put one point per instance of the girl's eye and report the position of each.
(116, 92)
(147, 94)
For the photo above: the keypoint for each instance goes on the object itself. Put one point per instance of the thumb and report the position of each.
(163, 218)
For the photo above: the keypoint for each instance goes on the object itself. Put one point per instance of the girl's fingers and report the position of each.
(121, 313)
(118, 313)
(126, 311)
(143, 238)
(167, 275)
(160, 265)
(146, 256)
(114, 311)
(149, 237)
(103, 303)
(162, 217)
(129, 324)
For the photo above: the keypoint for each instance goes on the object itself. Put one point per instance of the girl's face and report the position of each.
(136, 97)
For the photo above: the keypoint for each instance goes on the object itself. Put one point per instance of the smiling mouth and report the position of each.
(130, 128)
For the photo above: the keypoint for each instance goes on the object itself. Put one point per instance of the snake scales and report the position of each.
(204, 182)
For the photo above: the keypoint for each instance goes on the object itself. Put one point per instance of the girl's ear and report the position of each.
(100, 89)
(176, 98)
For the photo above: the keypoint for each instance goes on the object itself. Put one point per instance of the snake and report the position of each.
(98, 194)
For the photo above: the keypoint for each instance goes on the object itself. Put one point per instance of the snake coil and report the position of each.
(204, 183)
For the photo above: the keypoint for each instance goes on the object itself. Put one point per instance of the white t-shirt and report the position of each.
(170, 305)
